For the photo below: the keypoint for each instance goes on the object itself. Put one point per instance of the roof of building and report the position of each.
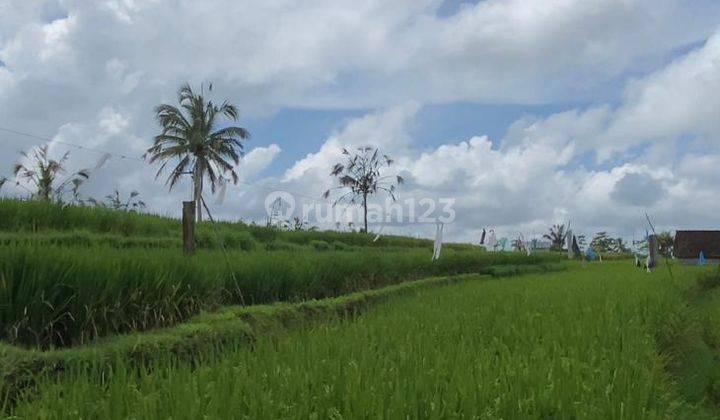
(689, 243)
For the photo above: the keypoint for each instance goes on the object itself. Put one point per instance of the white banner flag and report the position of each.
(438, 241)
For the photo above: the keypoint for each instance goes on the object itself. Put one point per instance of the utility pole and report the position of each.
(188, 223)
(653, 250)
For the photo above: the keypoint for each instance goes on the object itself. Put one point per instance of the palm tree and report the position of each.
(360, 175)
(556, 236)
(42, 172)
(619, 246)
(190, 135)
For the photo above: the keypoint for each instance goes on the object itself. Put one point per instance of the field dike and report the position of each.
(229, 326)
(691, 341)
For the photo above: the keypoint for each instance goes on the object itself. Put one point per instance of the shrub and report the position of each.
(340, 246)
(210, 239)
(708, 280)
(318, 245)
(278, 245)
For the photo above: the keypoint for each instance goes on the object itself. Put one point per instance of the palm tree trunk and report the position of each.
(197, 193)
(365, 210)
(45, 189)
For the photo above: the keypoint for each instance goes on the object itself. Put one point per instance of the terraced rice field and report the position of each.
(597, 341)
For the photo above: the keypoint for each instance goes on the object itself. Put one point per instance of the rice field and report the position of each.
(59, 296)
(103, 316)
(70, 275)
(594, 342)
(46, 223)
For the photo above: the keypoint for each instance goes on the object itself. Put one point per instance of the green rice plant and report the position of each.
(57, 296)
(60, 296)
(239, 240)
(577, 344)
(280, 245)
(319, 245)
(29, 216)
(693, 344)
(33, 216)
(85, 239)
(340, 246)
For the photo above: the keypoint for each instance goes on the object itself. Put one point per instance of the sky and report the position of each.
(519, 113)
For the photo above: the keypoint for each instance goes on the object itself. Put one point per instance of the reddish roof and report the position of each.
(689, 243)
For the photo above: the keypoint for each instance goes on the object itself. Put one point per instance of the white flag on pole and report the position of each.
(221, 193)
(492, 241)
(438, 241)
(377, 236)
(104, 158)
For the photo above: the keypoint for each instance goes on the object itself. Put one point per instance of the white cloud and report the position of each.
(90, 73)
(258, 160)
(681, 99)
(386, 129)
(540, 172)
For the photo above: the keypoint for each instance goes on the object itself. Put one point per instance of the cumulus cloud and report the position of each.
(638, 190)
(675, 101)
(89, 73)
(543, 170)
(258, 160)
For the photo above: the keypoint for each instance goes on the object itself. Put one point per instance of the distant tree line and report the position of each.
(602, 241)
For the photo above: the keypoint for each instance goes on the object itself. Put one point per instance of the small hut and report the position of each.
(690, 243)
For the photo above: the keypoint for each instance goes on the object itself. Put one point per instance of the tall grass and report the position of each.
(37, 217)
(573, 345)
(58, 296)
(34, 215)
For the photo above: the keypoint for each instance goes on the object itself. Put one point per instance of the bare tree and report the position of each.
(360, 176)
(557, 236)
(115, 201)
(298, 224)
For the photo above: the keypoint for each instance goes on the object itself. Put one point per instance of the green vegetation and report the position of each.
(55, 296)
(603, 243)
(360, 176)
(193, 142)
(44, 174)
(125, 272)
(41, 219)
(557, 236)
(189, 340)
(102, 315)
(695, 340)
(580, 344)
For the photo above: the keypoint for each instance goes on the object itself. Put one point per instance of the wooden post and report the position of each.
(653, 251)
(188, 223)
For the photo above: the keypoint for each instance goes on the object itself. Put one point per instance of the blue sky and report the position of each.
(299, 131)
(525, 112)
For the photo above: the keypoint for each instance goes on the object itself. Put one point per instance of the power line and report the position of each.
(105, 152)
(77, 146)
